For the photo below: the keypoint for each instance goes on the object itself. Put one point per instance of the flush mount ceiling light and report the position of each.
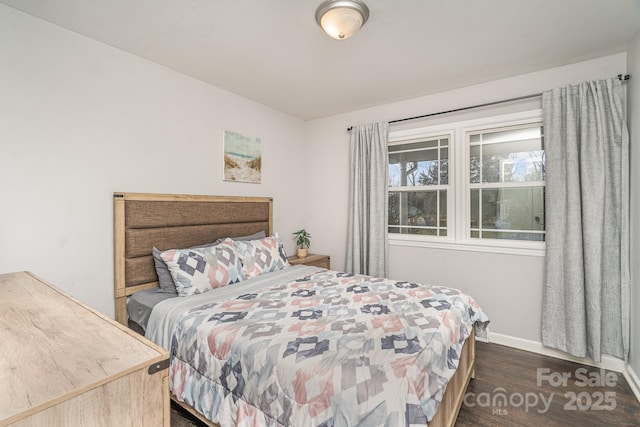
(341, 19)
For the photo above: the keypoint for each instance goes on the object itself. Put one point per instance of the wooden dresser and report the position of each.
(316, 260)
(64, 364)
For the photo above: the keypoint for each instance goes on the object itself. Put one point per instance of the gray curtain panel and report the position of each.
(586, 294)
(367, 228)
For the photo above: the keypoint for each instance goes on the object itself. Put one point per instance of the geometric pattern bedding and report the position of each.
(328, 349)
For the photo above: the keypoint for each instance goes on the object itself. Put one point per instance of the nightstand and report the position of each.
(323, 261)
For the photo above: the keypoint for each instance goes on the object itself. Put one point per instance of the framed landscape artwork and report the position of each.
(242, 158)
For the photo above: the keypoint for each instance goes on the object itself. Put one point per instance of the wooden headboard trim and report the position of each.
(166, 221)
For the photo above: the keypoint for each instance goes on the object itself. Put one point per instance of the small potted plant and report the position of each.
(303, 241)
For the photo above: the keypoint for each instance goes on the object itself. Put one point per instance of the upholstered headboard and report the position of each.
(167, 221)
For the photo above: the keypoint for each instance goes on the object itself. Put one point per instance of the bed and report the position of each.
(292, 373)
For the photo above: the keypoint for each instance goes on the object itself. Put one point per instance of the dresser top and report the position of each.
(54, 347)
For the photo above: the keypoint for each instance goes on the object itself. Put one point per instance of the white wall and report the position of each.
(80, 120)
(508, 287)
(633, 93)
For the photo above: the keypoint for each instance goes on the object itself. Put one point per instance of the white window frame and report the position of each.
(458, 191)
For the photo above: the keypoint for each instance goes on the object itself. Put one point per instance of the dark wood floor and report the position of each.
(588, 397)
(181, 418)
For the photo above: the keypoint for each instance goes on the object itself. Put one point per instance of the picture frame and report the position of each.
(242, 158)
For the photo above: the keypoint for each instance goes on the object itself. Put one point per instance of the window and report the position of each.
(506, 183)
(478, 184)
(418, 186)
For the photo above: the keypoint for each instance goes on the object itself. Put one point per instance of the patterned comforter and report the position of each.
(322, 348)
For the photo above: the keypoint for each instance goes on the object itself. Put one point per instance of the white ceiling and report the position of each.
(273, 52)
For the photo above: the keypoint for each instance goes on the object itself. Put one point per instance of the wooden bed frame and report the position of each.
(166, 221)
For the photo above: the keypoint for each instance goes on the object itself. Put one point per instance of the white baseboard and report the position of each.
(633, 381)
(608, 362)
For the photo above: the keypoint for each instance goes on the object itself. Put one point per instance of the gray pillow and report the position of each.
(254, 236)
(165, 280)
(167, 286)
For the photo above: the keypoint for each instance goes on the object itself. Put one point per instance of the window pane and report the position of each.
(443, 212)
(509, 235)
(508, 213)
(418, 212)
(474, 164)
(475, 209)
(413, 168)
(444, 166)
(514, 155)
(419, 163)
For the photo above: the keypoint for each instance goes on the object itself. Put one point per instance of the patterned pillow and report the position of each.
(165, 280)
(261, 256)
(198, 270)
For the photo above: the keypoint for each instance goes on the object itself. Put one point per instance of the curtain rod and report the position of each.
(486, 104)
